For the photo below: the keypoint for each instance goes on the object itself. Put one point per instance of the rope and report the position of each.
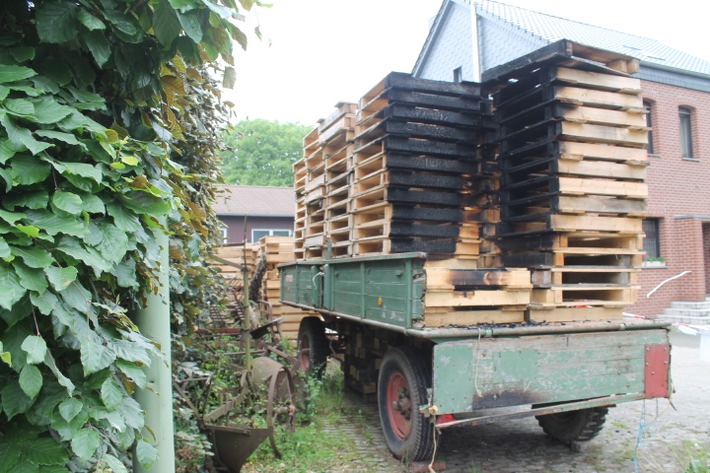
(643, 426)
(436, 445)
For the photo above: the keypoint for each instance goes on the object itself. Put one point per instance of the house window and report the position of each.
(649, 124)
(652, 242)
(257, 234)
(458, 74)
(686, 132)
(225, 235)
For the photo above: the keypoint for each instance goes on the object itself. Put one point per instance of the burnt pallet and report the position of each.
(460, 119)
(426, 246)
(420, 131)
(400, 229)
(407, 180)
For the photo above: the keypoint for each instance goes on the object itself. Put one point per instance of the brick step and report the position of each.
(684, 319)
(705, 306)
(686, 313)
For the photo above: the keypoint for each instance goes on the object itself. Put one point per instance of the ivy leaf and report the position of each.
(21, 107)
(9, 73)
(69, 408)
(6, 357)
(80, 169)
(11, 217)
(8, 150)
(190, 22)
(114, 463)
(133, 372)
(166, 24)
(68, 202)
(53, 223)
(95, 357)
(47, 452)
(14, 399)
(90, 21)
(61, 278)
(31, 380)
(45, 301)
(60, 136)
(33, 279)
(92, 203)
(88, 255)
(230, 78)
(48, 111)
(33, 257)
(111, 394)
(56, 21)
(4, 248)
(85, 443)
(22, 136)
(12, 290)
(29, 170)
(99, 47)
(36, 349)
(29, 230)
(146, 454)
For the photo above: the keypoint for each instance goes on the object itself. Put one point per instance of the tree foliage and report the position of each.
(109, 124)
(262, 152)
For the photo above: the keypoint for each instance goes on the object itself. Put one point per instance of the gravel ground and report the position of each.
(649, 437)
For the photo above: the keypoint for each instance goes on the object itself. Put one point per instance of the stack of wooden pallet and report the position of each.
(322, 180)
(275, 251)
(573, 165)
(416, 164)
(233, 258)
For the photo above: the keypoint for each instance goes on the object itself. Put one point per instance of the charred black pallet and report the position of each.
(421, 131)
(406, 81)
(430, 214)
(407, 180)
(427, 246)
(467, 119)
(425, 197)
(400, 229)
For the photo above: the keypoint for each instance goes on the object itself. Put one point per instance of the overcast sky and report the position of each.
(316, 53)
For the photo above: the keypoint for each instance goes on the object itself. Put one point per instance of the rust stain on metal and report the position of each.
(657, 367)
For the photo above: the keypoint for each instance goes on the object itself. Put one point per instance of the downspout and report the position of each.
(157, 399)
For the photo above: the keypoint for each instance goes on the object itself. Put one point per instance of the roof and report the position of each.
(255, 201)
(552, 28)
(545, 28)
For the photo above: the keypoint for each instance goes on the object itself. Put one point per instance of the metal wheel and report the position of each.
(312, 346)
(574, 426)
(401, 389)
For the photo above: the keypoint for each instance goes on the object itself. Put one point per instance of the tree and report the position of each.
(262, 152)
(106, 109)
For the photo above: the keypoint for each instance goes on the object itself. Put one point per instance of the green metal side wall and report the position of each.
(502, 372)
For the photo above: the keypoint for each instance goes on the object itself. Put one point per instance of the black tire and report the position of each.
(312, 347)
(404, 375)
(574, 426)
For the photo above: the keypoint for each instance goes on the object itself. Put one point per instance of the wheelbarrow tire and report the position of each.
(312, 347)
(401, 390)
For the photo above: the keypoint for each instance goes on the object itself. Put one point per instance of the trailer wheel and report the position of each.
(312, 346)
(401, 389)
(574, 426)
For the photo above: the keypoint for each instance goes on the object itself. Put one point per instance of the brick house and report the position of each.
(267, 211)
(676, 91)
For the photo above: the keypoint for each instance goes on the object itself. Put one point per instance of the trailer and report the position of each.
(470, 248)
(567, 374)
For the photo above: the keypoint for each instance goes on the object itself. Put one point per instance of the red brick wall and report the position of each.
(678, 188)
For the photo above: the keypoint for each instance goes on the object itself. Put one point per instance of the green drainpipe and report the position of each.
(157, 399)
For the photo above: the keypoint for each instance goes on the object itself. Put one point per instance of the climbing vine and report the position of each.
(105, 110)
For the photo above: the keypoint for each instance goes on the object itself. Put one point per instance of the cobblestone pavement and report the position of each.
(646, 437)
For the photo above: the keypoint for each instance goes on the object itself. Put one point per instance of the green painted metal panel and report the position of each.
(503, 372)
(388, 289)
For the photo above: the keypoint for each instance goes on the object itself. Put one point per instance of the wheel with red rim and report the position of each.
(401, 390)
(312, 346)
